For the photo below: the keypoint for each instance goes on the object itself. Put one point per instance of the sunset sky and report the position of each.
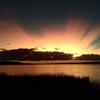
(70, 26)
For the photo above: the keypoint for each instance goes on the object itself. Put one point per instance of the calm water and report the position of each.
(91, 70)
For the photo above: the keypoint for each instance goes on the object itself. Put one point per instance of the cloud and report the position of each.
(3, 24)
(95, 43)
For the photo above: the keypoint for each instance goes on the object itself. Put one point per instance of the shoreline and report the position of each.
(45, 62)
(53, 86)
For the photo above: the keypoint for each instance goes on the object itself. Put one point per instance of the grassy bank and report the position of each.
(49, 86)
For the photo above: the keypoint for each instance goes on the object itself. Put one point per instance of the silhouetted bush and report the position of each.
(49, 87)
(89, 57)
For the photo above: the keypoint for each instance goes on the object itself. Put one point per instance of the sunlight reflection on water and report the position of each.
(81, 70)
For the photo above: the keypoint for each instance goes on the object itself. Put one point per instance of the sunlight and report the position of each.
(65, 39)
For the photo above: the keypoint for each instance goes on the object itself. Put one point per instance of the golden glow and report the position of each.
(67, 69)
(64, 39)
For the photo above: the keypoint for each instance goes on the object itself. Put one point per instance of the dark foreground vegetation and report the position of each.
(48, 87)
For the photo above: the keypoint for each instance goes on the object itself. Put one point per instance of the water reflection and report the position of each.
(93, 71)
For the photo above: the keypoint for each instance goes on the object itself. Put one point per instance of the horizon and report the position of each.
(35, 54)
(55, 25)
(48, 43)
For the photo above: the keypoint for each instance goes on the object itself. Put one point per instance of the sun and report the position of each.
(63, 48)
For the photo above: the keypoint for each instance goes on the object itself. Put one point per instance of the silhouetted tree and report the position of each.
(32, 54)
(89, 57)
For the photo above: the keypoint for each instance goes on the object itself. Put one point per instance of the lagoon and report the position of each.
(79, 70)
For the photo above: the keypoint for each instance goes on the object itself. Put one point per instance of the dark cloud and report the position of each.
(95, 43)
(32, 14)
(91, 24)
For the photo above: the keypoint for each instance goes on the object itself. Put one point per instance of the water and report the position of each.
(81, 70)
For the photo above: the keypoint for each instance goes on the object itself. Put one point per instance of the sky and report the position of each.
(70, 26)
